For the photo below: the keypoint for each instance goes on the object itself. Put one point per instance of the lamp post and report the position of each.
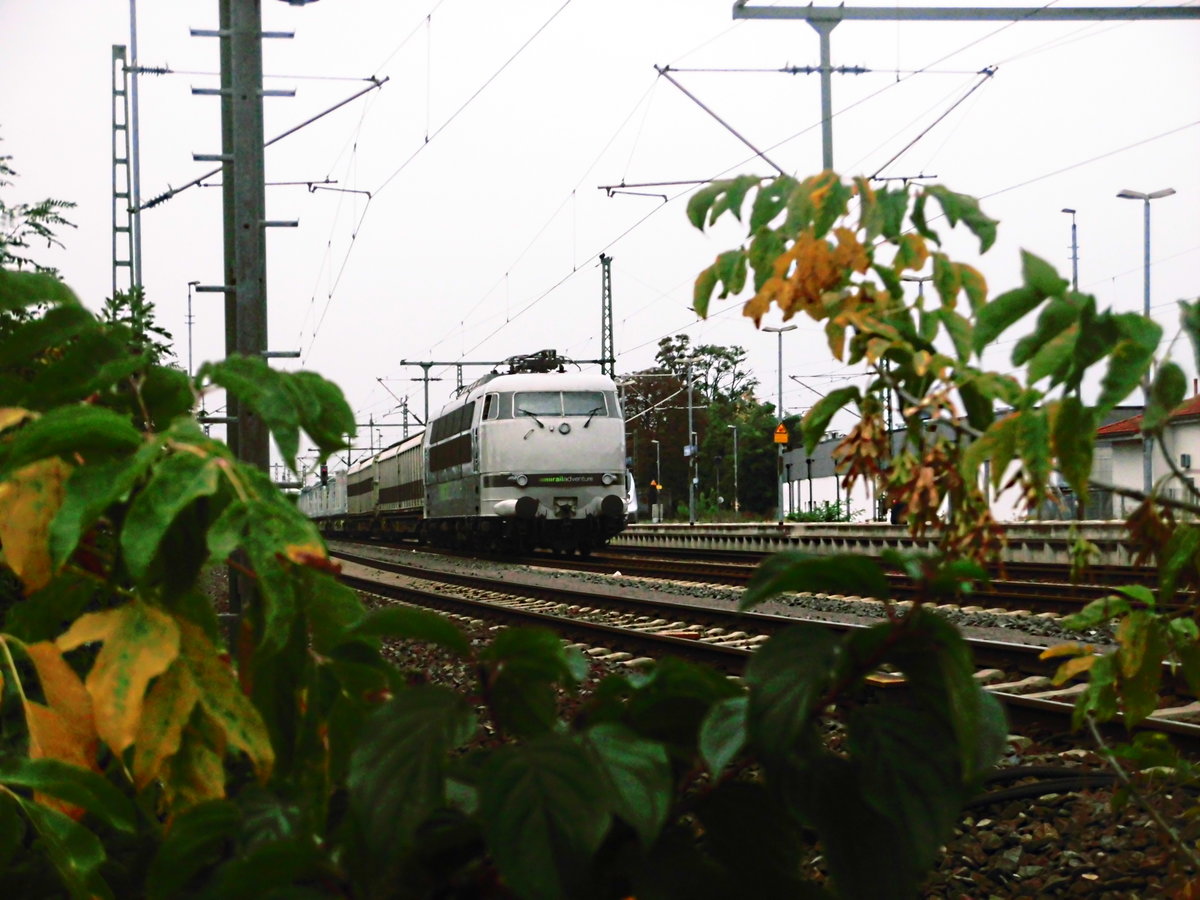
(736, 505)
(691, 448)
(190, 319)
(779, 457)
(656, 516)
(1147, 445)
(1074, 252)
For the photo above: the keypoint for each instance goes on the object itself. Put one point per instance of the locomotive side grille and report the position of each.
(450, 453)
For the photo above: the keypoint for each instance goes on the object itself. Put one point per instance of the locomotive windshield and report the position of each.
(560, 403)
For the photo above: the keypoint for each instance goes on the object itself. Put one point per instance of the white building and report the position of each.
(1118, 458)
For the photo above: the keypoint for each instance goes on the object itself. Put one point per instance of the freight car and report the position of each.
(533, 457)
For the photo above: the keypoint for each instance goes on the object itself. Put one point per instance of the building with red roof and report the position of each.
(1118, 456)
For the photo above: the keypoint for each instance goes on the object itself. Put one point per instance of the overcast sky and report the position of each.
(484, 152)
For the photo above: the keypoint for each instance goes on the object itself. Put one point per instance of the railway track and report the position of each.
(734, 569)
(634, 630)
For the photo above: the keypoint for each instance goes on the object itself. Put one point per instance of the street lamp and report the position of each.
(657, 480)
(736, 506)
(779, 460)
(1147, 446)
(190, 319)
(691, 451)
(1074, 252)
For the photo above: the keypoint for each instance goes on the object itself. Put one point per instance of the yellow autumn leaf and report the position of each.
(1070, 648)
(140, 642)
(168, 707)
(29, 501)
(67, 697)
(197, 772)
(14, 415)
(223, 700)
(1073, 667)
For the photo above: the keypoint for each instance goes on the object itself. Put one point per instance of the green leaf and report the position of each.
(701, 202)
(771, 200)
(177, 482)
(852, 832)
(939, 671)
(90, 431)
(918, 219)
(765, 248)
(706, 283)
(544, 814)
(1166, 393)
(325, 415)
(792, 570)
(1056, 317)
(892, 204)
(74, 851)
(12, 829)
(831, 204)
(733, 197)
(1041, 276)
(731, 271)
(1033, 445)
(199, 838)
(637, 773)
(397, 771)
(52, 330)
(966, 208)
(528, 664)
(1141, 655)
(723, 733)
(19, 290)
(959, 329)
(91, 490)
(788, 677)
(909, 774)
(671, 702)
(261, 390)
(1129, 360)
(1189, 319)
(77, 786)
(1101, 612)
(1181, 554)
(1003, 311)
(817, 418)
(749, 829)
(1073, 429)
(416, 625)
(1184, 636)
(1053, 359)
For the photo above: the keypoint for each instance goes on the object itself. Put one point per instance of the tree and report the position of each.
(24, 223)
(809, 254)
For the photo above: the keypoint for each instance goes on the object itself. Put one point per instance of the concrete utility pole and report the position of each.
(825, 18)
(778, 332)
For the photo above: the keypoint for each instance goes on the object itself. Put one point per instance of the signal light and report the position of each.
(324, 475)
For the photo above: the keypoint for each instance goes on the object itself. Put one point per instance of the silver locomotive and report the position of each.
(534, 457)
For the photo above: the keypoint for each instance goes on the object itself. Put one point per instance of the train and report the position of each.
(527, 458)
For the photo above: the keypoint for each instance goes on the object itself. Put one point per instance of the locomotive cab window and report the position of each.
(584, 403)
(491, 406)
(560, 403)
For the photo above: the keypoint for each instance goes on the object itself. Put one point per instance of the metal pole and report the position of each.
(1147, 443)
(823, 30)
(135, 189)
(691, 453)
(1074, 252)
(190, 319)
(779, 453)
(736, 504)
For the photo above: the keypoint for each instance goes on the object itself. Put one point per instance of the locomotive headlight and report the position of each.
(608, 478)
(521, 480)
